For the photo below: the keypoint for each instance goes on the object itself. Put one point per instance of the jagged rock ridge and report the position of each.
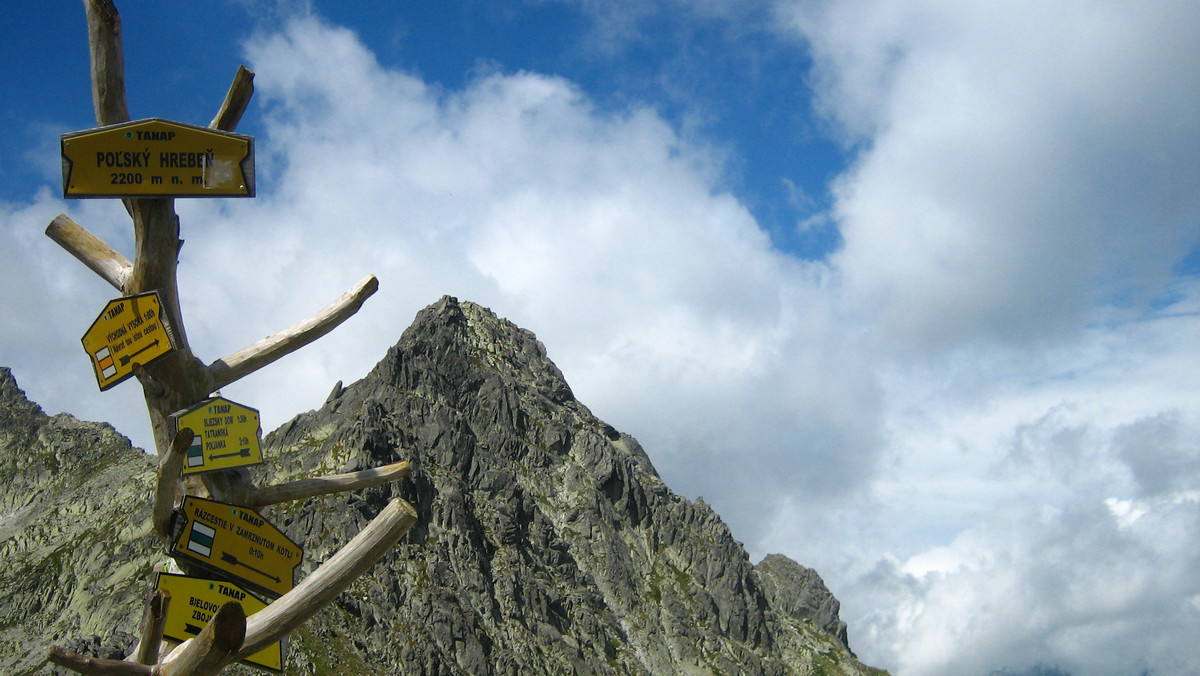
(547, 542)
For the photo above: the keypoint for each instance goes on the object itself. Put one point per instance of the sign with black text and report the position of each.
(128, 332)
(194, 601)
(228, 435)
(157, 158)
(238, 542)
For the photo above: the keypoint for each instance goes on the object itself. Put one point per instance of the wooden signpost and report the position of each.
(215, 531)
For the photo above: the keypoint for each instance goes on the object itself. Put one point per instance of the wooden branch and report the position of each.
(249, 359)
(94, 666)
(90, 250)
(235, 101)
(307, 488)
(291, 610)
(170, 485)
(214, 648)
(108, 62)
(152, 627)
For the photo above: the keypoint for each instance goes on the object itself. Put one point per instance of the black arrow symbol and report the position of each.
(126, 358)
(191, 629)
(245, 453)
(231, 559)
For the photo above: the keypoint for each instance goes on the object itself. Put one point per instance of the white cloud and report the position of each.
(605, 233)
(1018, 164)
(1084, 588)
(1026, 180)
(998, 500)
(1027, 510)
(50, 300)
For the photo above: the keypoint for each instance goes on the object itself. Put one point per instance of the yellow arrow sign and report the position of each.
(195, 600)
(128, 332)
(236, 541)
(227, 435)
(157, 158)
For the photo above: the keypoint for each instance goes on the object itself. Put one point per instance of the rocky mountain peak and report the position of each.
(547, 542)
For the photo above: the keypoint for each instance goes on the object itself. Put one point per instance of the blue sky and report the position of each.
(909, 293)
(731, 85)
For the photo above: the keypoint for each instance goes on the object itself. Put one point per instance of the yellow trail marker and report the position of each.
(129, 331)
(157, 158)
(194, 600)
(228, 435)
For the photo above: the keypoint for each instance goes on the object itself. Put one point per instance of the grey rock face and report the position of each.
(547, 543)
(800, 593)
(75, 545)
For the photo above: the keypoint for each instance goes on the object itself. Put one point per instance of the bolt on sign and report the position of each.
(235, 541)
(129, 331)
(228, 435)
(194, 601)
(157, 158)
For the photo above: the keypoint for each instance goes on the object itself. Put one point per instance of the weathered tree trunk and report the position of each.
(179, 380)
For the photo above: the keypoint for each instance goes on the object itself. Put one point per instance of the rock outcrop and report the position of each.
(75, 539)
(800, 593)
(547, 542)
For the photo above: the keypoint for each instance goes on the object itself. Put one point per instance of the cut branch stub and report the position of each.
(94, 666)
(152, 627)
(91, 251)
(215, 647)
(108, 62)
(236, 101)
(170, 485)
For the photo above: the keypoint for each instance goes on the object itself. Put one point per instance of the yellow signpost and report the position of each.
(157, 158)
(195, 600)
(130, 331)
(236, 541)
(228, 435)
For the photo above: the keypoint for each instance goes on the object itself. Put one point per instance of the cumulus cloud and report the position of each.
(604, 231)
(1019, 163)
(1046, 515)
(1160, 454)
(1024, 184)
(1096, 588)
(44, 287)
